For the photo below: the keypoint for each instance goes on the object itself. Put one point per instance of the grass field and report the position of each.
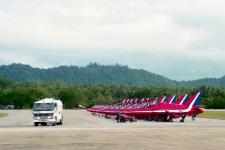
(3, 115)
(213, 115)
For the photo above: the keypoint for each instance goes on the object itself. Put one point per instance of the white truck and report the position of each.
(48, 111)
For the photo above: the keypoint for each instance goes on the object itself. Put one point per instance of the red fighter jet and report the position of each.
(155, 109)
(168, 111)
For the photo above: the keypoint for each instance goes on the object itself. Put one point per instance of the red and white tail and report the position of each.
(171, 99)
(162, 99)
(192, 100)
(182, 99)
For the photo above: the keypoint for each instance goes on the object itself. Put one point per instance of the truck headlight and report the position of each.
(36, 118)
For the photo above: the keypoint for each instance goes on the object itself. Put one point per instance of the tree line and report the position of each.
(23, 94)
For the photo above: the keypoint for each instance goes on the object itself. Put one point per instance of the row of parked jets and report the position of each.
(162, 109)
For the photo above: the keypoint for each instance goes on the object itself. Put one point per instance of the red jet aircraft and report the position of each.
(156, 109)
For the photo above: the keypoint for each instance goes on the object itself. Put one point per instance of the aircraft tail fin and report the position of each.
(194, 99)
(171, 99)
(182, 99)
(198, 101)
(162, 99)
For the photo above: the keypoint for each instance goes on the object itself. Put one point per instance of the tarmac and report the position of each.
(83, 131)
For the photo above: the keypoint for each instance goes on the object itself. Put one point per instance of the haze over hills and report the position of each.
(100, 74)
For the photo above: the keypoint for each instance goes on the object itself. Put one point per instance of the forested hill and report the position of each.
(92, 74)
(100, 74)
(215, 82)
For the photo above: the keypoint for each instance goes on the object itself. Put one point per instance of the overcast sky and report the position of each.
(179, 39)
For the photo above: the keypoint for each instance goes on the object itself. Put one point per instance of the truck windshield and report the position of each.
(44, 107)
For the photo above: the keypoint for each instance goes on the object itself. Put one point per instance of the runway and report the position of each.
(82, 131)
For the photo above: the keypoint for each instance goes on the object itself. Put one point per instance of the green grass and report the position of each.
(213, 115)
(3, 115)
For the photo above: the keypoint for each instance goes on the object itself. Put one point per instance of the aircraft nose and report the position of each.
(202, 110)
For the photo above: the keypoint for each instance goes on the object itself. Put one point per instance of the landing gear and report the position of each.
(156, 119)
(183, 118)
(169, 118)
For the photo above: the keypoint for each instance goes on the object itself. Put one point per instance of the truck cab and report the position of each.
(48, 111)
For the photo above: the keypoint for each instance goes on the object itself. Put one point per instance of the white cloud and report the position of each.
(97, 25)
(11, 57)
(54, 32)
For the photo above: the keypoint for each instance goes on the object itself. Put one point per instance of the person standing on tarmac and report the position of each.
(118, 116)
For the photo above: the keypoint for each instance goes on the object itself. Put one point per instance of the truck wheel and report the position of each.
(53, 124)
(61, 122)
(35, 124)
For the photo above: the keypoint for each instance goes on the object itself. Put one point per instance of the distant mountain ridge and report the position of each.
(99, 74)
(215, 82)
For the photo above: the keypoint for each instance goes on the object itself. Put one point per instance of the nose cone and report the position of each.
(202, 110)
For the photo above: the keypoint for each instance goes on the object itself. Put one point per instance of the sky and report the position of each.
(179, 39)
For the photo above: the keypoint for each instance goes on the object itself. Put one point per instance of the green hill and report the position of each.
(95, 74)
(215, 82)
(92, 74)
